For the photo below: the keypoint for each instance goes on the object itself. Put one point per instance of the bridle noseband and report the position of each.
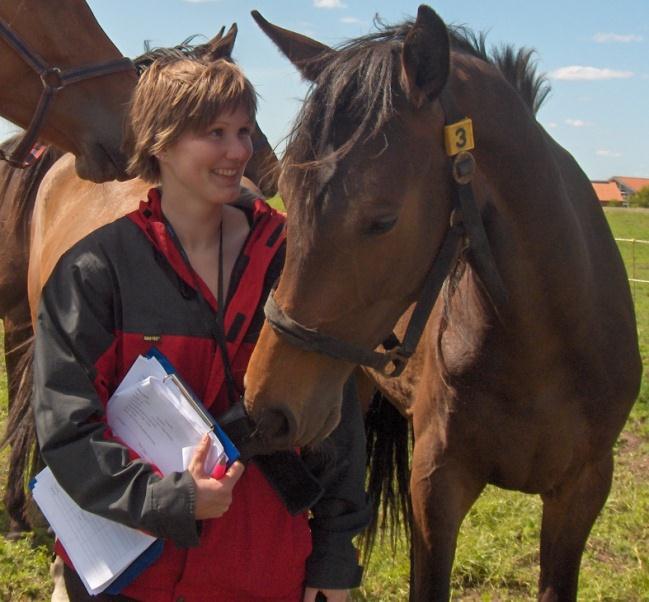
(466, 232)
(54, 79)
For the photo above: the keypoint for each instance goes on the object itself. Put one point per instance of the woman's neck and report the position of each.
(196, 224)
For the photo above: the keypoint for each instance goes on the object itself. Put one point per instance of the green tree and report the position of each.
(640, 198)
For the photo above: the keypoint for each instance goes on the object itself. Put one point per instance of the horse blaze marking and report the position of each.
(459, 137)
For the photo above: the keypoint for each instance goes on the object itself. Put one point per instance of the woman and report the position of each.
(187, 273)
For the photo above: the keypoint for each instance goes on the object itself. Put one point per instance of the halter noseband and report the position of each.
(465, 225)
(54, 79)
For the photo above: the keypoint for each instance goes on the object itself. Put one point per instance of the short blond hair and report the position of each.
(178, 95)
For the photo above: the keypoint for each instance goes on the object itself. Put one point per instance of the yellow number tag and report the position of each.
(458, 137)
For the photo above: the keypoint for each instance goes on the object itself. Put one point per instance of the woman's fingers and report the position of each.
(234, 473)
(197, 463)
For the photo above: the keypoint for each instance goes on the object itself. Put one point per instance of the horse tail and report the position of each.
(388, 472)
(20, 434)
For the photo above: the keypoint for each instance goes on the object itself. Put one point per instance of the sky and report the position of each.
(594, 53)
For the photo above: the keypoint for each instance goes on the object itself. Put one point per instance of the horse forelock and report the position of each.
(355, 93)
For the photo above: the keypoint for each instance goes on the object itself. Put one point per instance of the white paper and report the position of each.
(100, 549)
(142, 368)
(156, 421)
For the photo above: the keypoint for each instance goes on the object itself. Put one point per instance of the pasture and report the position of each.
(497, 555)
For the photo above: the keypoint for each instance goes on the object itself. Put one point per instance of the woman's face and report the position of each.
(207, 167)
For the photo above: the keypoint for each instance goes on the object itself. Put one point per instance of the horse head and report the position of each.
(365, 179)
(52, 41)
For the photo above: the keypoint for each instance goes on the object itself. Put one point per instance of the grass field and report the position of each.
(497, 556)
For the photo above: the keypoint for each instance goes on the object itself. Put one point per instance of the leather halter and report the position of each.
(54, 79)
(466, 231)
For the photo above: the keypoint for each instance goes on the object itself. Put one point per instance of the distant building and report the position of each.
(609, 194)
(629, 186)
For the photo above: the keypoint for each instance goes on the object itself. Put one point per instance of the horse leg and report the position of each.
(569, 513)
(442, 492)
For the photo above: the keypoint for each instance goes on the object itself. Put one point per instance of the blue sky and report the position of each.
(596, 54)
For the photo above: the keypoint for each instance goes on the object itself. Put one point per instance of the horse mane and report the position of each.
(186, 49)
(26, 180)
(357, 85)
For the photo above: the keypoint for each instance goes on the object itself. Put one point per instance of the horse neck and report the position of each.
(531, 223)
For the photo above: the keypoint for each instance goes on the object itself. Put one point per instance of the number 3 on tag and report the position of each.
(458, 137)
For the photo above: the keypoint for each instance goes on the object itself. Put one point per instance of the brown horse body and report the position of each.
(44, 210)
(85, 118)
(530, 397)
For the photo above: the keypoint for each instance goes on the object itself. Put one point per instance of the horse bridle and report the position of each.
(466, 231)
(54, 79)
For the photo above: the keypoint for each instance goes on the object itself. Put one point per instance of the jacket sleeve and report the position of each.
(344, 510)
(76, 327)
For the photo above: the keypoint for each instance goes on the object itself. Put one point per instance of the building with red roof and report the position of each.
(629, 186)
(608, 193)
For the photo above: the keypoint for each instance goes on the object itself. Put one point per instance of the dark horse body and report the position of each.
(530, 393)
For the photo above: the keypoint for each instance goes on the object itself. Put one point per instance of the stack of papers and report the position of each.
(154, 414)
(100, 549)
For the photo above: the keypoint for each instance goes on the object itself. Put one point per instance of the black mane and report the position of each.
(186, 49)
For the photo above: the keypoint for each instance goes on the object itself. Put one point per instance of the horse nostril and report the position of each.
(278, 427)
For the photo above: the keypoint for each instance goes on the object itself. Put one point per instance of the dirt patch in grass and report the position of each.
(633, 454)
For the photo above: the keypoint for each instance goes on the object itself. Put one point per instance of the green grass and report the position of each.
(497, 555)
(24, 564)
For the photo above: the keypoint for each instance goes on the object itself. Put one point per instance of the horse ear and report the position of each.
(425, 58)
(306, 54)
(220, 46)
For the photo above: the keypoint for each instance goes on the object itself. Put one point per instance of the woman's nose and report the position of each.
(240, 149)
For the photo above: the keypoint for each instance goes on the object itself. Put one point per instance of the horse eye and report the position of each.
(382, 225)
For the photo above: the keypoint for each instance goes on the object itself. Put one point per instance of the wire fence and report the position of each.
(633, 276)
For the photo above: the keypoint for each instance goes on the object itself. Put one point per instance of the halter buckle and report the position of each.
(52, 79)
(463, 168)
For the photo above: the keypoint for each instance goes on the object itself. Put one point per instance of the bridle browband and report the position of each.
(466, 232)
(54, 79)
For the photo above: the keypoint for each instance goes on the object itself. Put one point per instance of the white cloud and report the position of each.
(328, 4)
(350, 20)
(579, 72)
(552, 125)
(200, 1)
(603, 38)
(578, 123)
(604, 152)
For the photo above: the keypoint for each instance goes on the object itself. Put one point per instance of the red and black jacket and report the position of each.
(116, 293)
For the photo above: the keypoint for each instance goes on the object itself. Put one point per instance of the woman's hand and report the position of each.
(332, 595)
(213, 497)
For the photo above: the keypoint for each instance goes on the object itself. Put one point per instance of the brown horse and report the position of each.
(68, 208)
(43, 45)
(527, 366)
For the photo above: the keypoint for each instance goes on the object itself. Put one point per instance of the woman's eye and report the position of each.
(217, 132)
(382, 225)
